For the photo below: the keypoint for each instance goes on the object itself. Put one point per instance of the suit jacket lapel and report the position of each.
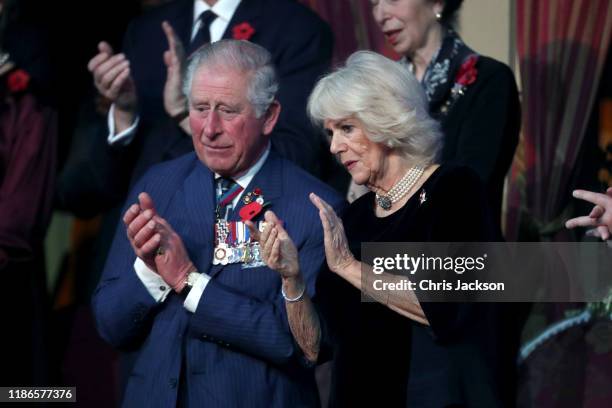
(200, 208)
(269, 180)
(248, 11)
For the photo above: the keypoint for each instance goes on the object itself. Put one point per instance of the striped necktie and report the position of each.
(227, 189)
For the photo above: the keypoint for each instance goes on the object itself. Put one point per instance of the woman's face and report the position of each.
(365, 160)
(406, 24)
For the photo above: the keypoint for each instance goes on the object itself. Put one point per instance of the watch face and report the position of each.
(191, 278)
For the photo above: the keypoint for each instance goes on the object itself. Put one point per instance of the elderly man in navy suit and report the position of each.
(186, 285)
(147, 123)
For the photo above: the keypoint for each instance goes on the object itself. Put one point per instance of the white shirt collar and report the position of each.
(224, 9)
(246, 178)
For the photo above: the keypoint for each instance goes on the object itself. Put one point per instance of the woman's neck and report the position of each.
(395, 168)
(423, 56)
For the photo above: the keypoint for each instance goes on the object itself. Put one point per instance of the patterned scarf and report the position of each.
(440, 76)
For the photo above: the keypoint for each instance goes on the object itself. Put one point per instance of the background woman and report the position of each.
(474, 97)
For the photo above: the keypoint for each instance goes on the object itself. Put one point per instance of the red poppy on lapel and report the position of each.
(18, 81)
(242, 31)
(254, 203)
(250, 211)
(467, 72)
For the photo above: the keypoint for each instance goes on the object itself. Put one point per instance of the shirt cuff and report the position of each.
(193, 298)
(152, 281)
(124, 138)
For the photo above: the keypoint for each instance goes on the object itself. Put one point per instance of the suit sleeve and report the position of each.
(305, 57)
(257, 327)
(489, 129)
(96, 175)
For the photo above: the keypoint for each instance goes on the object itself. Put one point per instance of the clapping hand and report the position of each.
(156, 243)
(141, 230)
(337, 252)
(175, 101)
(112, 78)
(277, 249)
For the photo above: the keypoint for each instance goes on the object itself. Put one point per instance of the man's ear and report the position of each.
(271, 117)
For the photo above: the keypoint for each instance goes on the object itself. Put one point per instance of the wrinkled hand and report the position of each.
(175, 101)
(155, 242)
(112, 77)
(600, 216)
(172, 262)
(141, 231)
(337, 252)
(277, 249)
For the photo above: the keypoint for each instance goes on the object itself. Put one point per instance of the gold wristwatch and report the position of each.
(190, 280)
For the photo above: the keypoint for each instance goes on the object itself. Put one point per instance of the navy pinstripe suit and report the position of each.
(237, 348)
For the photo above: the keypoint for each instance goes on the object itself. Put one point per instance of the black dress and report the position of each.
(381, 358)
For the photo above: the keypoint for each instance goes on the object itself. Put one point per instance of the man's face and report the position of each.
(227, 136)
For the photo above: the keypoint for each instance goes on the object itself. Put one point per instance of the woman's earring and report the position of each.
(438, 16)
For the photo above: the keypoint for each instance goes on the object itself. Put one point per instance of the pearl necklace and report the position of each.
(400, 189)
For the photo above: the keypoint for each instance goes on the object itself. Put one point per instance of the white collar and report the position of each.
(246, 178)
(224, 9)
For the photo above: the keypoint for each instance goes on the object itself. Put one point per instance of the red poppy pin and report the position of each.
(242, 31)
(467, 72)
(254, 203)
(18, 81)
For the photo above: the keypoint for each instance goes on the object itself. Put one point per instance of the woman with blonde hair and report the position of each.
(397, 351)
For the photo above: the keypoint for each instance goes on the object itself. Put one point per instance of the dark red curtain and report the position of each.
(562, 47)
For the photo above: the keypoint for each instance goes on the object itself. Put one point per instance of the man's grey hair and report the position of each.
(242, 56)
(386, 98)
